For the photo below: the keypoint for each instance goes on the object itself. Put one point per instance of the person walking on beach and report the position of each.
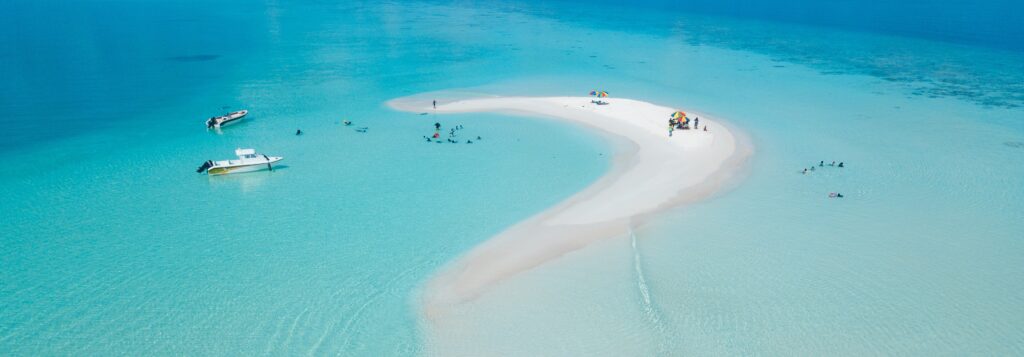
(670, 130)
(696, 122)
(435, 103)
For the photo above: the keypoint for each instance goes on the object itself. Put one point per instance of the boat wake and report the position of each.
(651, 314)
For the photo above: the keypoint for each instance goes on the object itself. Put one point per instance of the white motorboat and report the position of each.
(232, 117)
(248, 161)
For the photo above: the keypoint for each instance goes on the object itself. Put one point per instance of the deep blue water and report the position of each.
(993, 23)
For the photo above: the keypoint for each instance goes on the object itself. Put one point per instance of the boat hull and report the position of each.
(230, 118)
(227, 122)
(217, 171)
(242, 168)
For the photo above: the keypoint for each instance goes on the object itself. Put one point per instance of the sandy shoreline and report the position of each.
(650, 172)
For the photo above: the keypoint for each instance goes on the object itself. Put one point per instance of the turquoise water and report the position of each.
(111, 244)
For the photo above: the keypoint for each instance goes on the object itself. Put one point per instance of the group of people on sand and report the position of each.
(683, 124)
(822, 164)
(452, 135)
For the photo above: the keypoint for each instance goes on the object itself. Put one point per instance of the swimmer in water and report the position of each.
(840, 164)
(805, 171)
(821, 163)
(298, 132)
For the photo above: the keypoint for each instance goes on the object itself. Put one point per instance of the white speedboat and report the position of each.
(232, 117)
(248, 161)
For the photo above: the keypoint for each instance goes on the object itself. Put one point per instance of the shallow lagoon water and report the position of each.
(111, 244)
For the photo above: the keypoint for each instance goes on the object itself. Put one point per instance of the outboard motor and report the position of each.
(206, 165)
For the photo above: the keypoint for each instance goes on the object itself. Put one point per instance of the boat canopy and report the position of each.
(243, 152)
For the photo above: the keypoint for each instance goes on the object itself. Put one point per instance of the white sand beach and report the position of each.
(650, 172)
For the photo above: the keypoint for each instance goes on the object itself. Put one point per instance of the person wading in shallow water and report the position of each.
(435, 104)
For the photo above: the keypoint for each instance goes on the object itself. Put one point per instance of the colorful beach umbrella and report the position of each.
(599, 94)
(678, 115)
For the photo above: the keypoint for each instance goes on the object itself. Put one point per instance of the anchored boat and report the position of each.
(248, 161)
(232, 117)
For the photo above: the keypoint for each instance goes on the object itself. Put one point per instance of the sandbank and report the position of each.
(650, 172)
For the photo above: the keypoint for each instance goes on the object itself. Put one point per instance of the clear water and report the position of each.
(111, 244)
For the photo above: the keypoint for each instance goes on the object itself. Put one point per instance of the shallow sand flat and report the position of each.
(651, 172)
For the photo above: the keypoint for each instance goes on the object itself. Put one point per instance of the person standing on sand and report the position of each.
(435, 103)
(696, 122)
